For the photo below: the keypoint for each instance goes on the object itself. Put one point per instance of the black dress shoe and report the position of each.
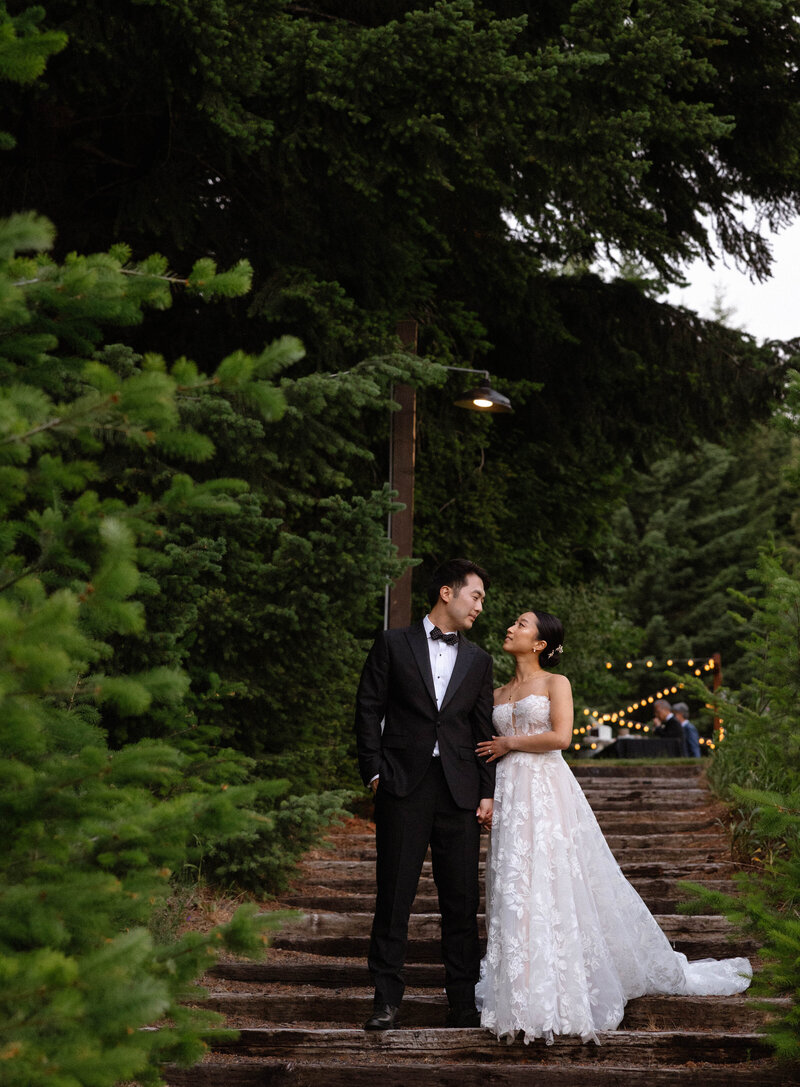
(466, 1016)
(384, 1017)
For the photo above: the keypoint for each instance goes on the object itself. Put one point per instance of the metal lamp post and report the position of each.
(402, 449)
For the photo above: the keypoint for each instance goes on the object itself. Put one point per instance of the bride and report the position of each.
(569, 940)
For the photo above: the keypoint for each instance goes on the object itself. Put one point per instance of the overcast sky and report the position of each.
(768, 310)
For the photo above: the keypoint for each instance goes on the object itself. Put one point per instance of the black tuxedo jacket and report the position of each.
(397, 687)
(670, 729)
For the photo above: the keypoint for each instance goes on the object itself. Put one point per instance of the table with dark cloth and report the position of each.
(630, 747)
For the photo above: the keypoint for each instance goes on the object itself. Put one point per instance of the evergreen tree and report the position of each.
(24, 51)
(366, 161)
(593, 124)
(92, 836)
(756, 768)
(687, 534)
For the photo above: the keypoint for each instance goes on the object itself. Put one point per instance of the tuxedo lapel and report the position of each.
(418, 640)
(463, 661)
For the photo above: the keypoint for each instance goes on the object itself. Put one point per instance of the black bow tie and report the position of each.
(450, 639)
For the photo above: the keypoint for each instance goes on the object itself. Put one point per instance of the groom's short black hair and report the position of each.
(454, 573)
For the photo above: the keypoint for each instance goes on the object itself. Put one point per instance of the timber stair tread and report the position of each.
(347, 934)
(303, 968)
(735, 1014)
(476, 1044)
(661, 896)
(300, 1012)
(217, 1071)
(629, 847)
(359, 876)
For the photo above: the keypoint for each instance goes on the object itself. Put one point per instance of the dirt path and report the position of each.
(301, 1012)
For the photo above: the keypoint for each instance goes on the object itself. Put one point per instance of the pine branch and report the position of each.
(152, 275)
(19, 577)
(19, 438)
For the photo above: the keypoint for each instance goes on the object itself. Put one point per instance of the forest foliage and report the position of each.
(756, 770)
(194, 462)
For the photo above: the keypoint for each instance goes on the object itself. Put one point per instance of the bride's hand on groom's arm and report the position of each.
(494, 749)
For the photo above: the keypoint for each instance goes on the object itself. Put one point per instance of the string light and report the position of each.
(617, 717)
(649, 662)
(612, 716)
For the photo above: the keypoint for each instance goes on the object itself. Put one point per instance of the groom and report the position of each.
(423, 704)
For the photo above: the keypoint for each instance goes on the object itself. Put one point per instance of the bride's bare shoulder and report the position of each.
(500, 694)
(557, 684)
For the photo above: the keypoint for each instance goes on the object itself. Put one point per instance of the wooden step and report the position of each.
(424, 926)
(347, 934)
(359, 876)
(685, 836)
(660, 896)
(653, 769)
(220, 1071)
(670, 847)
(635, 791)
(655, 824)
(346, 1007)
(710, 945)
(299, 968)
(640, 773)
(301, 1012)
(679, 821)
(447, 1044)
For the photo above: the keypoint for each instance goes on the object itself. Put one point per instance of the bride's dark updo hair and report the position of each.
(551, 631)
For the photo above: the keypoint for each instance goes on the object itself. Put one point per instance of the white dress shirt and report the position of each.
(443, 661)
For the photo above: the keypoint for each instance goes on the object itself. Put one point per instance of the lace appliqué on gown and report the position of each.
(569, 940)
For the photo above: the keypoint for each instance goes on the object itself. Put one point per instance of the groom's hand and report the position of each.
(484, 813)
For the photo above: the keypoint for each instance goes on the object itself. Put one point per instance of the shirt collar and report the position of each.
(428, 623)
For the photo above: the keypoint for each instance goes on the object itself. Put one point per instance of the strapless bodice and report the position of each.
(527, 717)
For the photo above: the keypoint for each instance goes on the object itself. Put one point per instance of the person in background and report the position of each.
(691, 738)
(668, 727)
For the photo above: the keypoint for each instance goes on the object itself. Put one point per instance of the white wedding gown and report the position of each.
(569, 940)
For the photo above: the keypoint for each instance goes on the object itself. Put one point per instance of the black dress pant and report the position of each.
(405, 826)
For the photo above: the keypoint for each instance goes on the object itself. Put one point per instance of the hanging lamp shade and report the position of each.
(483, 398)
